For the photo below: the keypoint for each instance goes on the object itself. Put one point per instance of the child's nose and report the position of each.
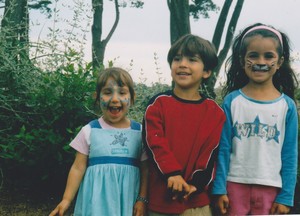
(183, 62)
(261, 60)
(115, 97)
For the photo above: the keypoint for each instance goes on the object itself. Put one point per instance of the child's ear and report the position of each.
(280, 62)
(206, 74)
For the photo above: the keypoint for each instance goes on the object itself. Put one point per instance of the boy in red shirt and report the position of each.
(182, 129)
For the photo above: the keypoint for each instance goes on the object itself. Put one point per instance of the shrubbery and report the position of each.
(41, 112)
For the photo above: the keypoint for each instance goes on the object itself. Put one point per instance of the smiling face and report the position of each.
(188, 71)
(261, 60)
(115, 103)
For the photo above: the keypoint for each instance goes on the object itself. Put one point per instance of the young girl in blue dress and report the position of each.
(257, 164)
(110, 167)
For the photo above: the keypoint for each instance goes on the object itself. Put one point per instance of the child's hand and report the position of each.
(192, 190)
(61, 208)
(222, 204)
(279, 209)
(178, 186)
(139, 209)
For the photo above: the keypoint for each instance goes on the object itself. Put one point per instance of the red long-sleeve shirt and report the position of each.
(182, 137)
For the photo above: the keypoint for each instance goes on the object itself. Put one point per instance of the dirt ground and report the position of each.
(22, 202)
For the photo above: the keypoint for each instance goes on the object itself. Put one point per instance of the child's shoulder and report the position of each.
(214, 106)
(232, 95)
(135, 125)
(167, 93)
(94, 123)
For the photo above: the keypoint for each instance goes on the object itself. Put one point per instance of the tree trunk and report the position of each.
(99, 45)
(179, 19)
(14, 30)
(14, 40)
(230, 33)
(229, 36)
(221, 24)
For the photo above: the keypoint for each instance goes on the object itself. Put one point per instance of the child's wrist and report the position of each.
(142, 199)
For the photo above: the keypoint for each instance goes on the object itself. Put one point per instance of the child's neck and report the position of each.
(263, 93)
(187, 94)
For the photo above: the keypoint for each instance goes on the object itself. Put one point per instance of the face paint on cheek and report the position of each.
(273, 64)
(249, 63)
(104, 103)
(126, 101)
(260, 67)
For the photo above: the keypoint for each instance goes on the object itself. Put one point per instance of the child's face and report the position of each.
(261, 60)
(188, 71)
(114, 102)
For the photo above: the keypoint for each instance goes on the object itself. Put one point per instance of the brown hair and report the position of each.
(191, 45)
(121, 76)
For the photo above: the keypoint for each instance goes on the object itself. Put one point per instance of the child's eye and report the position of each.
(177, 58)
(252, 56)
(193, 59)
(123, 91)
(269, 56)
(106, 92)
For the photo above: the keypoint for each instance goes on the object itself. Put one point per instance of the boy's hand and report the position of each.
(192, 190)
(178, 186)
(279, 209)
(222, 204)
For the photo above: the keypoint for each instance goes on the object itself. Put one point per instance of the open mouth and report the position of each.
(115, 110)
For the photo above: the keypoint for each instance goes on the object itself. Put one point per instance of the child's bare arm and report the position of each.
(75, 176)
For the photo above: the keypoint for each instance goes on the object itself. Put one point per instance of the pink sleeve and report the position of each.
(81, 142)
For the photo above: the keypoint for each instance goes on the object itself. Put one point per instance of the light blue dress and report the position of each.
(111, 182)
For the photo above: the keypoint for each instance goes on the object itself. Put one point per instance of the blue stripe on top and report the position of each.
(133, 124)
(113, 160)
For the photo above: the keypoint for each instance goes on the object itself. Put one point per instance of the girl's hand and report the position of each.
(139, 209)
(222, 204)
(61, 208)
(279, 209)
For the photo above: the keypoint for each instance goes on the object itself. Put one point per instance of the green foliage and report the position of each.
(40, 113)
(143, 95)
(45, 99)
(200, 8)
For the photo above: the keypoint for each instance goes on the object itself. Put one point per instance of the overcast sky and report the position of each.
(143, 34)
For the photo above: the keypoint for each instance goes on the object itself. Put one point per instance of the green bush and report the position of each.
(143, 95)
(42, 112)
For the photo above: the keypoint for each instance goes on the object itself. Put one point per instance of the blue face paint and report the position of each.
(103, 104)
(112, 93)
